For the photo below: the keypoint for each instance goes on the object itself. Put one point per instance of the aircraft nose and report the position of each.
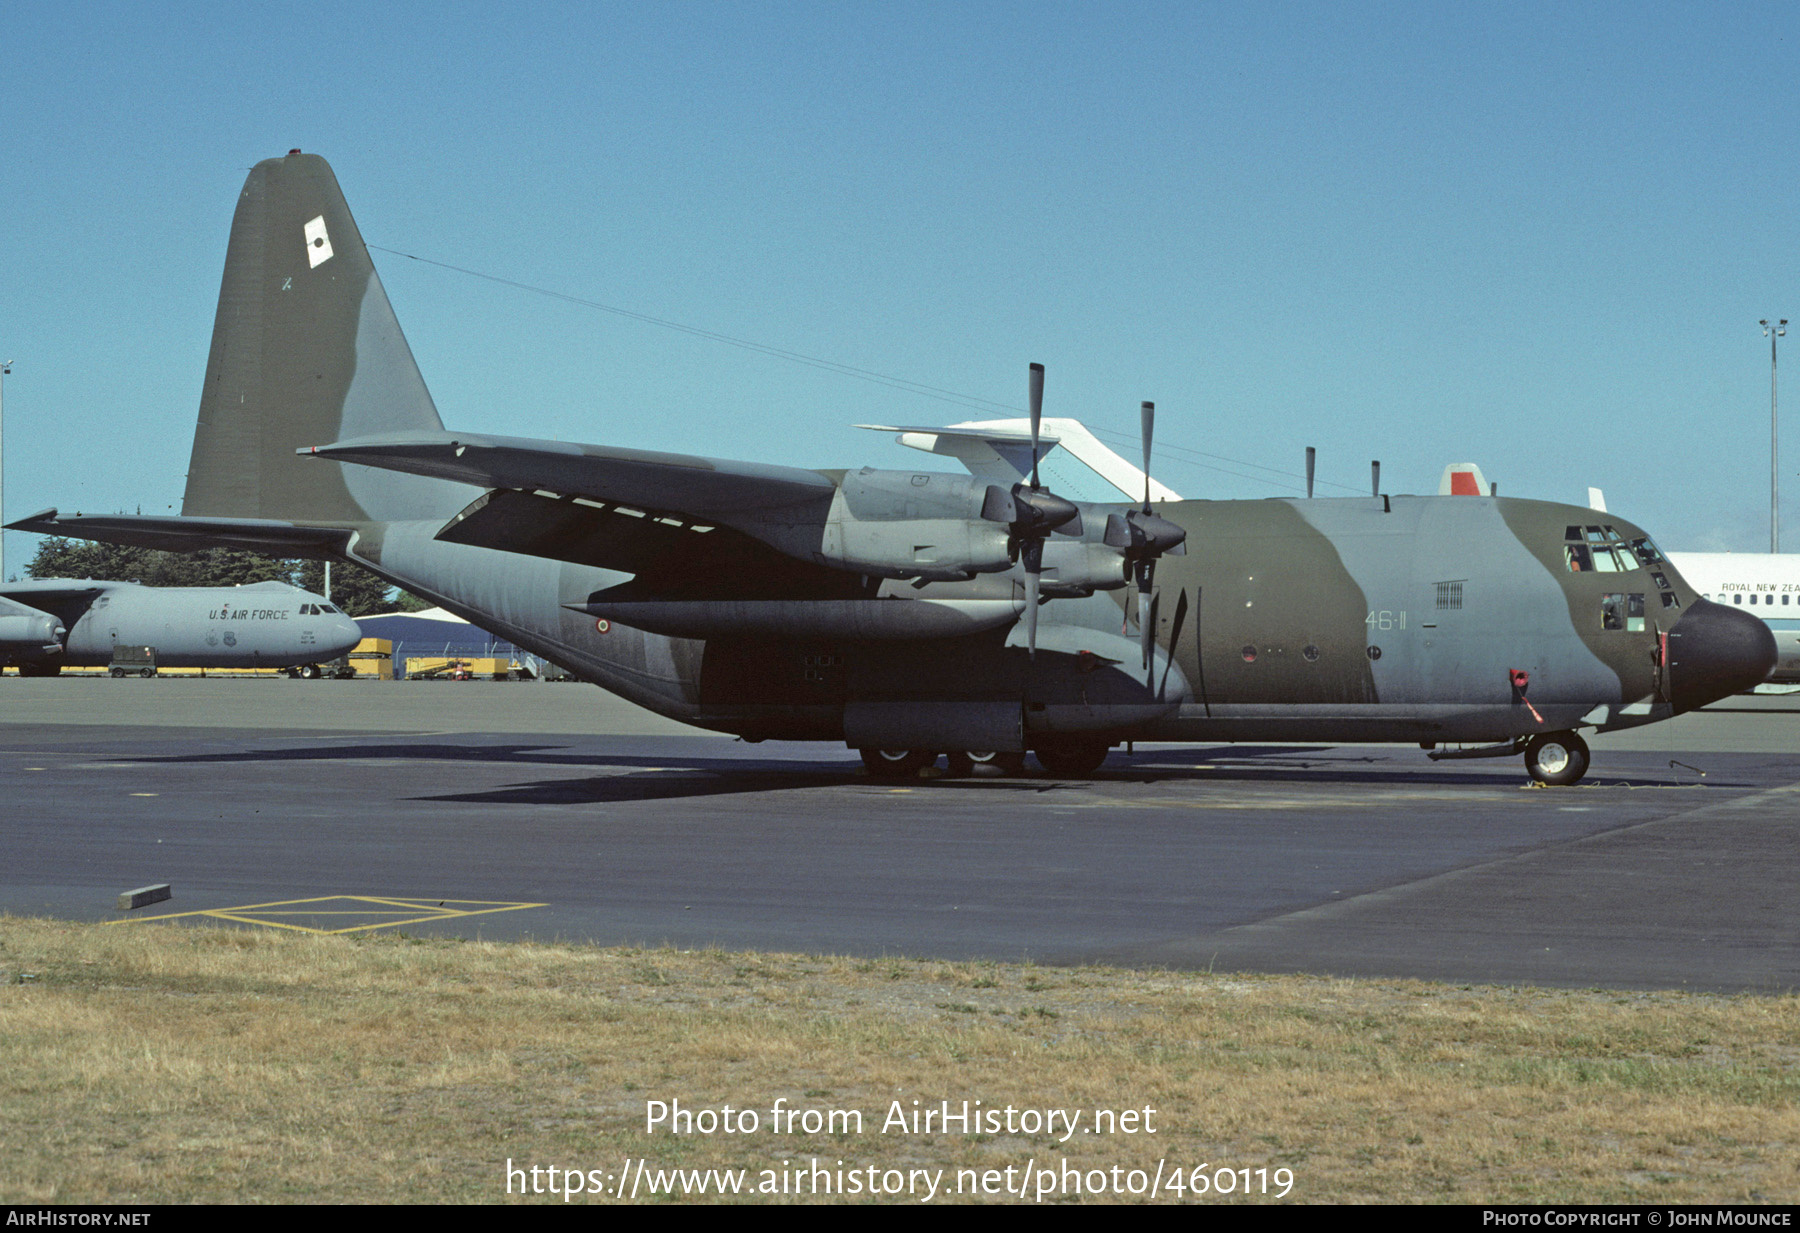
(345, 634)
(1716, 651)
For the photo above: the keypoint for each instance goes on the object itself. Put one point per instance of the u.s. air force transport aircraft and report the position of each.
(899, 611)
(78, 622)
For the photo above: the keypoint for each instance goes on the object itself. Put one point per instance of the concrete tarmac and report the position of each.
(557, 811)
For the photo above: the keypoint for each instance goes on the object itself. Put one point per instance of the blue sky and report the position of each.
(1538, 237)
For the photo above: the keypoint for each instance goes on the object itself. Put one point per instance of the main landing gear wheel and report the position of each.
(1073, 759)
(896, 763)
(961, 763)
(1559, 758)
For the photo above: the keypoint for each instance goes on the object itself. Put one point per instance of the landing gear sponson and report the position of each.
(1554, 758)
(1074, 759)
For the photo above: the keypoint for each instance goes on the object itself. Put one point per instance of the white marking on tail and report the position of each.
(318, 244)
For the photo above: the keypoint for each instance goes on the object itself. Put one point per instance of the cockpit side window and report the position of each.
(1612, 610)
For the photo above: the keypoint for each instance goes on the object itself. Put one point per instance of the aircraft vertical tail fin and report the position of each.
(305, 349)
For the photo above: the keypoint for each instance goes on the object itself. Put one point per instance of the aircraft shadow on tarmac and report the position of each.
(641, 777)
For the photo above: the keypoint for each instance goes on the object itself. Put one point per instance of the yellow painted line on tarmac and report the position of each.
(369, 910)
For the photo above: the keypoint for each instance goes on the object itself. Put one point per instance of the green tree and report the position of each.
(58, 557)
(74, 558)
(353, 588)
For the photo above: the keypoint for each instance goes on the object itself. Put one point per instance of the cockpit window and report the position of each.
(1603, 550)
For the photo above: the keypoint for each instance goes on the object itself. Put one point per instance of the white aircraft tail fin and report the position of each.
(999, 452)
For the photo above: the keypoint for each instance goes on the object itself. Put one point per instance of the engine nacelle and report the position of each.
(33, 635)
(895, 524)
(1074, 568)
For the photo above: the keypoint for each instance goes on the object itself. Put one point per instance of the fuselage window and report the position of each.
(1612, 610)
(1738, 600)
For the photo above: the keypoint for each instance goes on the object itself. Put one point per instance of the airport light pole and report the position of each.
(5, 367)
(1772, 332)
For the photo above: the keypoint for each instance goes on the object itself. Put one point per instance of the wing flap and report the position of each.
(711, 489)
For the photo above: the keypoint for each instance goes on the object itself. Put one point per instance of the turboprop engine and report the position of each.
(25, 632)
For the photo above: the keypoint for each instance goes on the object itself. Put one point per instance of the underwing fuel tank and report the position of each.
(871, 620)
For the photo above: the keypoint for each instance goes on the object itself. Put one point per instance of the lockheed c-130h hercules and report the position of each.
(916, 614)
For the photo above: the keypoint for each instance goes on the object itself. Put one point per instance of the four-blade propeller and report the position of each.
(1032, 514)
(1143, 536)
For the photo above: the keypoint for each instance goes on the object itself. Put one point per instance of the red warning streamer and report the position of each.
(1521, 681)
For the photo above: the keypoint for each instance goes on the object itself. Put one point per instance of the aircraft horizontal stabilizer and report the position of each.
(170, 534)
(704, 488)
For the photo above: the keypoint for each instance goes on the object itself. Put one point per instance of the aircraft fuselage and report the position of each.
(1390, 619)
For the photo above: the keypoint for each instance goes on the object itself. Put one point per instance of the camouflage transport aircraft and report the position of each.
(54, 623)
(916, 614)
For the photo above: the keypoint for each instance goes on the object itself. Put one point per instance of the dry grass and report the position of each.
(167, 1064)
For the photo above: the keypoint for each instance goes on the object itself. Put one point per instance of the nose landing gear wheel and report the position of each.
(1558, 758)
(896, 763)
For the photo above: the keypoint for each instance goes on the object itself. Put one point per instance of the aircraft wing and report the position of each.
(50, 591)
(705, 489)
(267, 535)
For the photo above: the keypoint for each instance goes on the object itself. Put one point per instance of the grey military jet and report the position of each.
(916, 614)
(77, 622)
